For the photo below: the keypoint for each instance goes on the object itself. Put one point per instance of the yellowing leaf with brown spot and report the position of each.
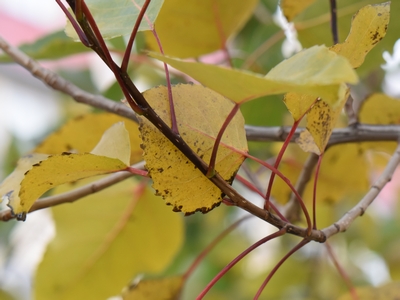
(54, 170)
(321, 120)
(390, 291)
(298, 104)
(368, 27)
(155, 289)
(192, 28)
(105, 239)
(200, 113)
(291, 8)
(380, 109)
(81, 134)
(306, 143)
(315, 71)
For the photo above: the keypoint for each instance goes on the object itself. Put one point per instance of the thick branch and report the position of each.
(344, 223)
(60, 84)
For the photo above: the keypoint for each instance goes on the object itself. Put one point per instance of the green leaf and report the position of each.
(105, 239)
(316, 71)
(155, 289)
(118, 17)
(53, 46)
(200, 113)
(193, 28)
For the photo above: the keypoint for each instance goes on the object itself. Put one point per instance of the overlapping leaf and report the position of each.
(193, 28)
(155, 289)
(82, 133)
(200, 113)
(118, 17)
(316, 71)
(29, 182)
(104, 240)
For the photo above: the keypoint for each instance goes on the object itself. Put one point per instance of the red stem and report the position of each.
(251, 187)
(207, 250)
(221, 33)
(128, 50)
(137, 171)
(231, 115)
(297, 247)
(237, 259)
(318, 167)
(277, 162)
(341, 271)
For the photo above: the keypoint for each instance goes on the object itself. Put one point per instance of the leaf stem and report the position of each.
(277, 162)
(237, 259)
(318, 167)
(214, 242)
(211, 165)
(341, 271)
(128, 50)
(297, 247)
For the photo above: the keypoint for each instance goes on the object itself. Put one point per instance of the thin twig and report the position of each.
(344, 223)
(334, 27)
(76, 194)
(60, 84)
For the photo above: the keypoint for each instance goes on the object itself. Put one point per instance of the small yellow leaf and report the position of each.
(56, 170)
(104, 240)
(155, 289)
(321, 120)
(114, 144)
(298, 104)
(368, 27)
(81, 134)
(200, 113)
(307, 143)
(315, 71)
(192, 28)
(291, 8)
(390, 291)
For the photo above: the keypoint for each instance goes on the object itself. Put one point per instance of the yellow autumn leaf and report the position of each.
(25, 188)
(200, 113)
(155, 289)
(380, 109)
(193, 28)
(368, 27)
(390, 291)
(103, 240)
(321, 120)
(298, 104)
(291, 8)
(315, 71)
(82, 133)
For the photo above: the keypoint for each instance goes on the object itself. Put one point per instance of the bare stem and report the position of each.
(341, 271)
(214, 242)
(334, 27)
(237, 259)
(297, 247)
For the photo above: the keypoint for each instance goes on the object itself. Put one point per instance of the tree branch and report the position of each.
(76, 194)
(60, 84)
(344, 223)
